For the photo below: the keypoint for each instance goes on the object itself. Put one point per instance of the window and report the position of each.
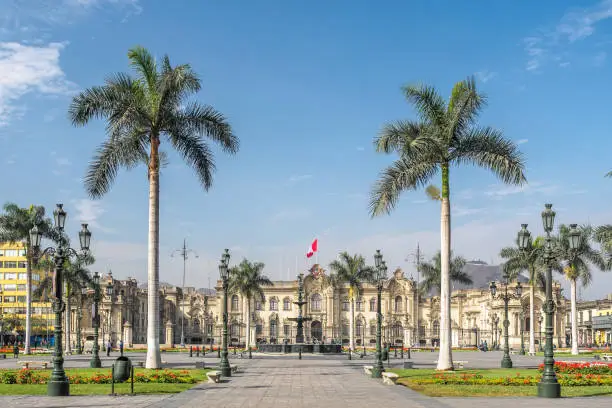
(287, 330)
(234, 330)
(397, 330)
(36, 277)
(21, 299)
(10, 287)
(209, 328)
(373, 305)
(315, 302)
(345, 329)
(22, 252)
(9, 299)
(273, 328)
(359, 331)
(398, 304)
(234, 303)
(10, 265)
(286, 304)
(22, 276)
(11, 252)
(21, 264)
(21, 287)
(257, 305)
(359, 305)
(273, 304)
(1, 264)
(258, 329)
(436, 329)
(345, 305)
(372, 330)
(1, 252)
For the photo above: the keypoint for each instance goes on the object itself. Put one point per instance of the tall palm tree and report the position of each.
(444, 135)
(247, 279)
(76, 278)
(532, 260)
(431, 272)
(578, 266)
(140, 112)
(15, 226)
(352, 270)
(603, 236)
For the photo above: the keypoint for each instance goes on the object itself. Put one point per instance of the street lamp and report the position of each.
(95, 320)
(549, 387)
(505, 296)
(495, 322)
(540, 319)
(381, 275)
(58, 384)
(224, 272)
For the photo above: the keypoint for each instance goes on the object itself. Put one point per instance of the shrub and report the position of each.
(27, 376)
(563, 367)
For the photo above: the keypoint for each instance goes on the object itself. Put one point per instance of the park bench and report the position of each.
(200, 364)
(368, 369)
(234, 368)
(139, 364)
(27, 364)
(213, 376)
(513, 352)
(531, 353)
(606, 357)
(408, 364)
(459, 364)
(389, 378)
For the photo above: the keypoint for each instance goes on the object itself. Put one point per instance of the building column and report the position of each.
(127, 334)
(169, 333)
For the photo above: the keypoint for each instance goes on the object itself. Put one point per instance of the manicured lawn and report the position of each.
(453, 390)
(104, 389)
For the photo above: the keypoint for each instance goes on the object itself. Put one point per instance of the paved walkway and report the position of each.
(270, 381)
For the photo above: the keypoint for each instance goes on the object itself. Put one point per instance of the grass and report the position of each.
(452, 390)
(105, 389)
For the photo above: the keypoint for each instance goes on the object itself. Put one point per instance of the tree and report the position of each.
(431, 272)
(248, 280)
(603, 236)
(444, 135)
(140, 112)
(352, 270)
(532, 260)
(578, 267)
(15, 226)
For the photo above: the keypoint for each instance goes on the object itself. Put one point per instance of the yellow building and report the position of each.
(13, 296)
(602, 326)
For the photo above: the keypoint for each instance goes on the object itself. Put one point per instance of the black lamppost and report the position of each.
(224, 365)
(548, 387)
(540, 319)
(505, 296)
(95, 320)
(522, 319)
(381, 274)
(58, 384)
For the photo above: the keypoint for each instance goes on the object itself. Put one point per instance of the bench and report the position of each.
(234, 368)
(27, 364)
(389, 378)
(531, 353)
(606, 357)
(408, 364)
(368, 370)
(200, 364)
(459, 364)
(513, 352)
(139, 364)
(213, 376)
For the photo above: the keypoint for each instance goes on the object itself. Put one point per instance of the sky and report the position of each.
(306, 87)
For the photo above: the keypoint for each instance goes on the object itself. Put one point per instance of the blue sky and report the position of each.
(307, 85)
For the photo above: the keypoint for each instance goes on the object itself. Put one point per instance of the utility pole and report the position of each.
(417, 257)
(183, 253)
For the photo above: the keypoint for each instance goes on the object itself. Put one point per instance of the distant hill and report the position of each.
(482, 274)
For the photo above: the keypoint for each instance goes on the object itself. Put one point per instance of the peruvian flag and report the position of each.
(313, 248)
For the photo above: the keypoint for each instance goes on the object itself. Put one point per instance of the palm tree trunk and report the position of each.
(248, 324)
(352, 325)
(531, 319)
(445, 359)
(574, 318)
(28, 329)
(153, 353)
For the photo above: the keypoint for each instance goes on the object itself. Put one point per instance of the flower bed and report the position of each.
(572, 380)
(27, 376)
(563, 367)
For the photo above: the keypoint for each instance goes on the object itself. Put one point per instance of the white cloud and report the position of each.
(62, 161)
(459, 211)
(485, 75)
(89, 212)
(522, 141)
(25, 69)
(497, 191)
(300, 177)
(575, 25)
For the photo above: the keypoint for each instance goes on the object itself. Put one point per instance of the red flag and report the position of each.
(313, 248)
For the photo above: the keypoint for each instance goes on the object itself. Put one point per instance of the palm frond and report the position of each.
(428, 103)
(486, 147)
(205, 121)
(464, 106)
(144, 63)
(401, 176)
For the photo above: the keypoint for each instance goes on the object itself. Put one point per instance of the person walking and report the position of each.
(108, 348)
(121, 346)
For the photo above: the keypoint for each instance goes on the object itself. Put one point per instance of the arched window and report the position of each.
(234, 303)
(315, 302)
(436, 328)
(346, 306)
(373, 305)
(398, 304)
(372, 329)
(196, 326)
(359, 305)
(397, 330)
(286, 304)
(235, 330)
(273, 328)
(359, 328)
(273, 304)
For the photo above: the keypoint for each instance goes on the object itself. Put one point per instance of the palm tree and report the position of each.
(352, 270)
(76, 278)
(578, 266)
(248, 280)
(140, 112)
(532, 260)
(603, 236)
(431, 272)
(15, 226)
(446, 134)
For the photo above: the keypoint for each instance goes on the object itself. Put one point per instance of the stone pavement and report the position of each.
(285, 381)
